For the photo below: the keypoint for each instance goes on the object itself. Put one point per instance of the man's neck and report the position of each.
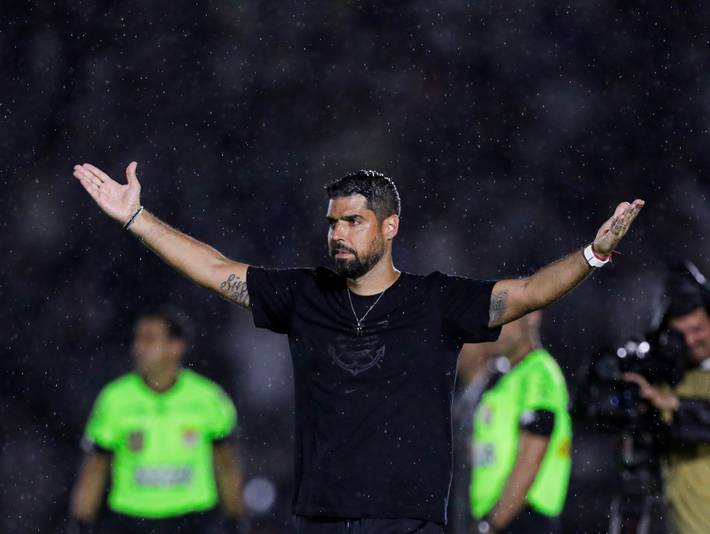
(376, 280)
(161, 380)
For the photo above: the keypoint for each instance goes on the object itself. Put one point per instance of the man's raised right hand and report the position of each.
(118, 201)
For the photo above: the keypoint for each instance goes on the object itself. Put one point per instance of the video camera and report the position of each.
(613, 404)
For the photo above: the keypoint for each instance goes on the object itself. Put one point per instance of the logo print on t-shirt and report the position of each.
(357, 355)
(190, 437)
(136, 441)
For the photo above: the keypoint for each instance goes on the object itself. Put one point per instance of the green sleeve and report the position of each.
(541, 389)
(101, 428)
(222, 416)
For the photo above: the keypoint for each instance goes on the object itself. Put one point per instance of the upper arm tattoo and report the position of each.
(235, 289)
(499, 302)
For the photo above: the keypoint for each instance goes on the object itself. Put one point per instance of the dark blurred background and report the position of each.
(512, 128)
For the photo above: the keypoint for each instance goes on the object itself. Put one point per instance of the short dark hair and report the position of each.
(379, 190)
(179, 326)
(682, 305)
(686, 290)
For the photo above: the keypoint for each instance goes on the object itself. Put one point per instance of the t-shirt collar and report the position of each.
(172, 389)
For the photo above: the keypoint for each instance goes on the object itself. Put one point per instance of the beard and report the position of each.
(357, 266)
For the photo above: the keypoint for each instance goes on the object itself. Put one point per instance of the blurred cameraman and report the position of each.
(685, 408)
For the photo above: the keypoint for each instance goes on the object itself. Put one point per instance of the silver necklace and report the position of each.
(359, 320)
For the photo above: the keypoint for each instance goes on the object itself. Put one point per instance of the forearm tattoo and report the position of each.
(235, 289)
(499, 301)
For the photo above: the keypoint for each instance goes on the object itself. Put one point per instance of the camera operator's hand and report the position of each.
(616, 227)
(661, 397)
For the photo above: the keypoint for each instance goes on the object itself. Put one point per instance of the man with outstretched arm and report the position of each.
(374, 349)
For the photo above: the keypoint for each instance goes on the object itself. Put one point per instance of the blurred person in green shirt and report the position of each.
(522, 436)
(163, 433)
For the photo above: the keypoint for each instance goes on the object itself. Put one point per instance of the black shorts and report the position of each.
(528, 521)
(338, 525)
(208, 522)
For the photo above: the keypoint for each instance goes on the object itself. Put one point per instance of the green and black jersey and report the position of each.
(532, 387)
(161, 443)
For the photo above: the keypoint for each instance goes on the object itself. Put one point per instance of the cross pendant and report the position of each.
(358, 330)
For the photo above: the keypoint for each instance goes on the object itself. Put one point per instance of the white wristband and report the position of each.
(593, 260)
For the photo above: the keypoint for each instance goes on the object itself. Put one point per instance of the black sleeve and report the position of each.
(466, 304)
(691, 422)
(540, 422)
(271, 296)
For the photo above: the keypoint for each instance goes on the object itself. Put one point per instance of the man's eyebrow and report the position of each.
(349, 218)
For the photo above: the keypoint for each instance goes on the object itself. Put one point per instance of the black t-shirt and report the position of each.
(373, 412)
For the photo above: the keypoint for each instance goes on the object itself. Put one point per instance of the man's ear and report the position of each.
(390, 227)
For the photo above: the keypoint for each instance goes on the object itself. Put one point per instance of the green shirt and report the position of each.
(161, 443)
(535, 383)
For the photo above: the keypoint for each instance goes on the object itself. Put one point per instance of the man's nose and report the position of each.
(690, 340)
(339, 232)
